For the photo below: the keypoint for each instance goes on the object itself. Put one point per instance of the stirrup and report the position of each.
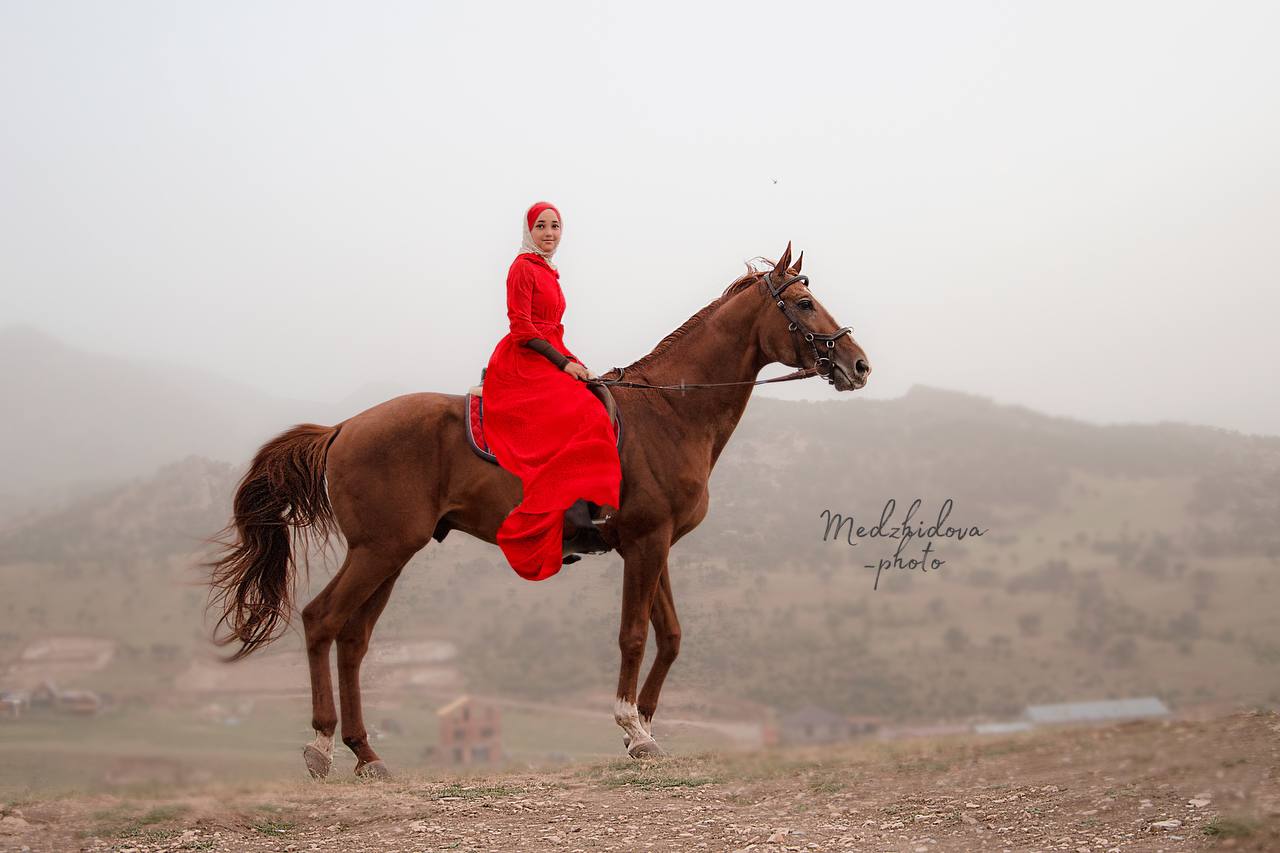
(603, 519)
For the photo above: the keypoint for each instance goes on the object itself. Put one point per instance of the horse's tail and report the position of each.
(279, 501)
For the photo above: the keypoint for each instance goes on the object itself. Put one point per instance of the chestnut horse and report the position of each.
(394, 477)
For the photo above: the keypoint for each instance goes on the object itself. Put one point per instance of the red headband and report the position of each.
(536, 211)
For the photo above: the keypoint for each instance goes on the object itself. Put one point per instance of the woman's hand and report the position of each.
(578, 371)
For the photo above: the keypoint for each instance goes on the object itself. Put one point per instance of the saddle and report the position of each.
(474, 404)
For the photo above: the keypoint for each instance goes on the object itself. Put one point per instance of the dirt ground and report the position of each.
(1163, 785)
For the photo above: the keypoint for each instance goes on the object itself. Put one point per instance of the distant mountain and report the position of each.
(165, 513)
(981, 453)
(78, 420)
(930, 442)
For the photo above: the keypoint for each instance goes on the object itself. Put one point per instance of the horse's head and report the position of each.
(797, 331)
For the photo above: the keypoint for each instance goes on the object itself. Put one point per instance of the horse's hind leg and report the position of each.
(318, 754)
(362, 573)
(353, 642)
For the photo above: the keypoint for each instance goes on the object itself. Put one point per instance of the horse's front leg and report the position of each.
(666, 630)
(643, 564)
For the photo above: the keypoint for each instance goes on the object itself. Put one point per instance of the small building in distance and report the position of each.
(12, 704)
(84, 702)
(48, 696)
(45, 695)
(1100, 711)
(812, 724)
(470, 732)
(1066, 713)
(1003, 728)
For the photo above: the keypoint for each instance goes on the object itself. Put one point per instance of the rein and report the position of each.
(804, 373)
(794, 325)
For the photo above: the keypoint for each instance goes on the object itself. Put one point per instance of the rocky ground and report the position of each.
(1175, 785)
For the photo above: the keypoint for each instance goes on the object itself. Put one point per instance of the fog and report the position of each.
(1051, 226)
(1065, 206)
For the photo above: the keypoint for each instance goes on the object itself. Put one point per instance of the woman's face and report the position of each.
(546, 231)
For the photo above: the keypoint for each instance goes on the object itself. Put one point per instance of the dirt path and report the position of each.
(1179, 785)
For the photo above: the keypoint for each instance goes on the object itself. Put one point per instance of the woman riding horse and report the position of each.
(542, 422)
(393, 478)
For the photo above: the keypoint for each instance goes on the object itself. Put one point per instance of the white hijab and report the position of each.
(527, 244)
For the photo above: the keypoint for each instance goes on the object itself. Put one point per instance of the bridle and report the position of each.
(794, 325)
(811, 337)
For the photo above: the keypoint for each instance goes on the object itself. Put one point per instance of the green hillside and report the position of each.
(1117, 561)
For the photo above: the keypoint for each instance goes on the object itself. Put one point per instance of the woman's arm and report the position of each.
(520, 312)
(542, 345)
(520, 304)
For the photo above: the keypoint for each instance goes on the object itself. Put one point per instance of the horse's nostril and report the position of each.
(861, 367)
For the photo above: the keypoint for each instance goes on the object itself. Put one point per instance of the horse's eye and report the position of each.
(805, 304)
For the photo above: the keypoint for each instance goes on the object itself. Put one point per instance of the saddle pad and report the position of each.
(474, 405)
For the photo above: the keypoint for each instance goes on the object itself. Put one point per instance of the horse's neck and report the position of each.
(718, 350)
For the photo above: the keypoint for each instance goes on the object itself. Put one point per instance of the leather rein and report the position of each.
(794, 325)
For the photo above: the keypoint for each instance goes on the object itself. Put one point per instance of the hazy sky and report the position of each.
(1071, 206)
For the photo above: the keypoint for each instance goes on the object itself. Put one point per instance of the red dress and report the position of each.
(543, 425)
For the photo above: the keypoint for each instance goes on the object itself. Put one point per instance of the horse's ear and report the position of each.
(795, 268)
(785, 260)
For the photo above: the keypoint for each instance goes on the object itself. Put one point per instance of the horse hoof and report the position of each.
(373, 770)
(646, 749)
(571, 558)
(626, 738)
(318, 764)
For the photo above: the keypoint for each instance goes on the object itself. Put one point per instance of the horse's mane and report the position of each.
(750, 277)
